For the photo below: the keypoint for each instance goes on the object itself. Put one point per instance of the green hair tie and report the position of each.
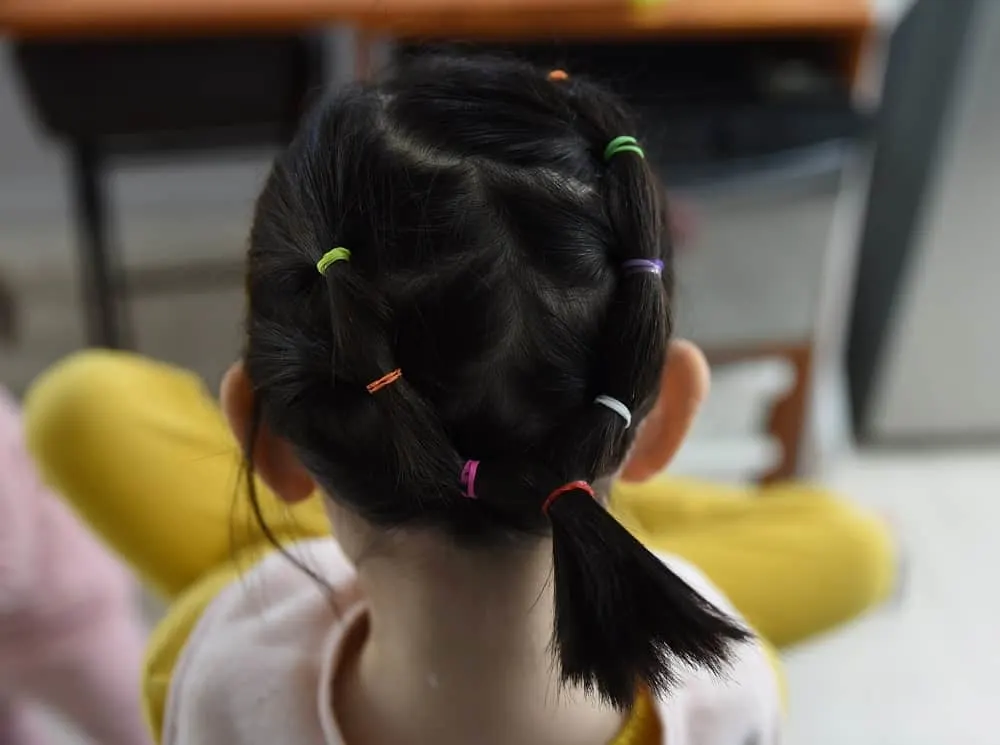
(623, 144)
(332, 257)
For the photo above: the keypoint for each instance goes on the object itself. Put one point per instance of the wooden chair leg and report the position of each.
(100, 274)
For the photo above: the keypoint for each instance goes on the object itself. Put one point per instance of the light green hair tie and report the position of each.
(332, 257)
(623, 144)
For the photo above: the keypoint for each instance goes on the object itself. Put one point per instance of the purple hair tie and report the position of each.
(468, 479)
(635, 266)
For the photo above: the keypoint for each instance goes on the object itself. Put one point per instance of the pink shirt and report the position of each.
(54, 575)
(260, 665)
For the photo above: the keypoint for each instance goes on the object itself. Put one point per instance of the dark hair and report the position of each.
(487, 235)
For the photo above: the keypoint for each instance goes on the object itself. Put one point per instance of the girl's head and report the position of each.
(490, 237)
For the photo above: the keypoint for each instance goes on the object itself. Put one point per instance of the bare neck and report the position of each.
(458, 651)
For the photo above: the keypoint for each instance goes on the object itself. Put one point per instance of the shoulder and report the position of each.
(697, 580)
(743, 704)
(251, 667)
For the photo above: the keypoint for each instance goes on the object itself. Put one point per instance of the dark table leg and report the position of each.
(103, 288)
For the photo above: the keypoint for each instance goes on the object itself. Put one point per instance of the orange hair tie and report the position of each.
(558, 75)
(564, 489)
(388, 379)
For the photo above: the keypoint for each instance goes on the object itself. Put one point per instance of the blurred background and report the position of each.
(834, 171)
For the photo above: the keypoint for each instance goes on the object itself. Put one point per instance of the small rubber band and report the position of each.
(332, 257)
(558, 75)
(623, 144)
(565, 489)
(387, 379)
(616, 406)
(637, 266)
(468, 479)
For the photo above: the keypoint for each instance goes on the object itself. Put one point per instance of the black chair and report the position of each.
(111, 99)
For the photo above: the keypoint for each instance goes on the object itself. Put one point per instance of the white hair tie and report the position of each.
(616, 406)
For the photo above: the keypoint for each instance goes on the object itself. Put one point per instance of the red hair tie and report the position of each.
(564, 489)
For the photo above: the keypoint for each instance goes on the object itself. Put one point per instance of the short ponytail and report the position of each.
(623, 619)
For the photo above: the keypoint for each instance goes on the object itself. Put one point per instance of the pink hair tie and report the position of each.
(468, 479)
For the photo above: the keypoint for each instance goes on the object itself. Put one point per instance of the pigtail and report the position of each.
(622, 618)
(384, 404)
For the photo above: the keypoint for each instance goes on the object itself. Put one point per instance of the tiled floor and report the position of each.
(919, 671)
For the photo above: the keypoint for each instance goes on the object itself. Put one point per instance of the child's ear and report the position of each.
(273, 458)
(682, 390)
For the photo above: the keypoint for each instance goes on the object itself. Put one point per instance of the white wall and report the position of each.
(941, 374)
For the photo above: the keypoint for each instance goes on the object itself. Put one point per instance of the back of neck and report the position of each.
(457, 650)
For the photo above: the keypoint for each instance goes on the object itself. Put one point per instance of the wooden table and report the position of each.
(435, 18)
